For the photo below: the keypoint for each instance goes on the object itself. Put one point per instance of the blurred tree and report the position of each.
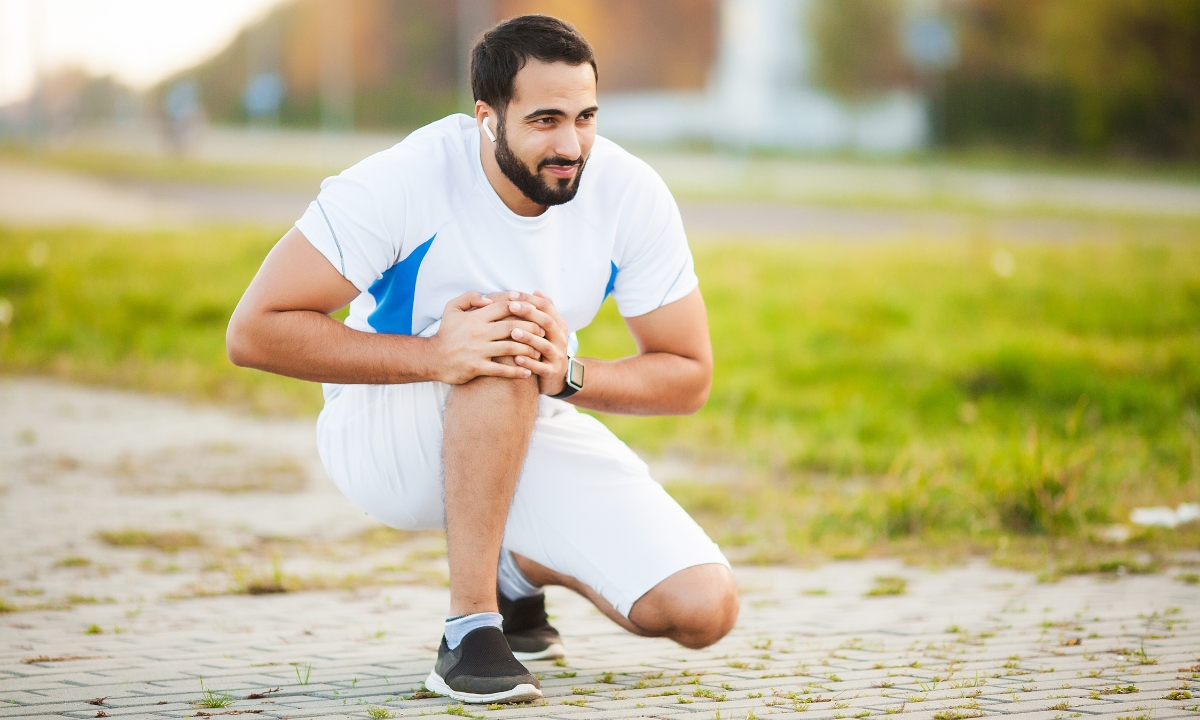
(405, 54)
(403, 58)
(639, 44)
(858, 47)
(70, 98)
(1136, 69)
(1098, 75)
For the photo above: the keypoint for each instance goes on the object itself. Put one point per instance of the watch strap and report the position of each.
(569, 388)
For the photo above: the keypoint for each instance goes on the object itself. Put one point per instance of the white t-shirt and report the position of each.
(419, 224)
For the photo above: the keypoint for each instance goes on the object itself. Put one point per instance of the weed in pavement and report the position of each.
(888, 585)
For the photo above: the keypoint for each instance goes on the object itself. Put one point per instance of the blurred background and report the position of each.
(951, 248)
(1108, 78)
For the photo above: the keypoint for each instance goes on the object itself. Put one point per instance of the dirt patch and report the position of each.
(220, 468)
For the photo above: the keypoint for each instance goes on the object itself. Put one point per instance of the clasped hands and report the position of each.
(479, 331)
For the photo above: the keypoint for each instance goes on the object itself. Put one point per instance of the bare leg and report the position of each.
(695, 607)
(486, 431)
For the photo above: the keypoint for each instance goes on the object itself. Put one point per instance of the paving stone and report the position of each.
(942, 649)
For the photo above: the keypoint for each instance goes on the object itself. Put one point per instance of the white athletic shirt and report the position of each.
(419, 224)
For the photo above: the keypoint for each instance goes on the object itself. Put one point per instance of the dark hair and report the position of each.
(502, 51)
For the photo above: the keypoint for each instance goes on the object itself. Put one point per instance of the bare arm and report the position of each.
(670, 375)
(282, 325)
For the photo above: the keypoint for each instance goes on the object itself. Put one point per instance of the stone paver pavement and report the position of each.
(100, 629)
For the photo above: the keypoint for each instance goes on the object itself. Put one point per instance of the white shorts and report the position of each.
(585, 505)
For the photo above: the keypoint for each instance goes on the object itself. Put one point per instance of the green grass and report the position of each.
(901, 391)
(166, 541)
(142, 310)
(212, 700)
(73, 561)
(880, 396)
(149, 168)
(888, 585)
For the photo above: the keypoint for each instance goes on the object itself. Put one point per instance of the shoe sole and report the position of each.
(553, 652)
(521, 693)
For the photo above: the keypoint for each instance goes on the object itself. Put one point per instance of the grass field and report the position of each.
(921, 398)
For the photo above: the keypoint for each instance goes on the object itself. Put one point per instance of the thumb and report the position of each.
(468, 301)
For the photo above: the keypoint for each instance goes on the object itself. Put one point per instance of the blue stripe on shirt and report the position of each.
(394, 293)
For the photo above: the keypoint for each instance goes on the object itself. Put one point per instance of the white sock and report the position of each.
(457, 627)
(513, 583)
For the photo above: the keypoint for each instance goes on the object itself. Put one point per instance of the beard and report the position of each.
(530, 183)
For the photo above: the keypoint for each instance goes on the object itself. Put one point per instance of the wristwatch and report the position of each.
(573, 382)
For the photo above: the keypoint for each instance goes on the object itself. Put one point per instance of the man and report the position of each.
(469, 254)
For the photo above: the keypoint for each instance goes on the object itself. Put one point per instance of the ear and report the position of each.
(483, 116)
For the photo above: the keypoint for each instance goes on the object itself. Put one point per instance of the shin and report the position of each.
(487, 426)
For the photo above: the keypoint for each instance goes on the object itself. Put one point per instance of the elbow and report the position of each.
(697, 402)
(238, 344)
(698, 398)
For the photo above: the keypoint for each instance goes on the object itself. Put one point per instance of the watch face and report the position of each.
(575, 374)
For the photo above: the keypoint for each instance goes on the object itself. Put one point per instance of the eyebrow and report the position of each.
(555, 112)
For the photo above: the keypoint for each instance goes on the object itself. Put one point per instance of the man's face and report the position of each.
(547, 131)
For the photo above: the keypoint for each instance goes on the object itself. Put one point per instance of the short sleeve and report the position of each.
(357, 223)
(655, 266)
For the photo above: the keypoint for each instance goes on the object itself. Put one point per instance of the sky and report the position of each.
(138, 41)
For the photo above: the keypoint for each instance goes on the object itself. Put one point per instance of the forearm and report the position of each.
(654, 383)
(312, 346)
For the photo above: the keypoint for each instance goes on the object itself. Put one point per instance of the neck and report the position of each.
(509, 194)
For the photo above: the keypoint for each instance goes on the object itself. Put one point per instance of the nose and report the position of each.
(566, 142)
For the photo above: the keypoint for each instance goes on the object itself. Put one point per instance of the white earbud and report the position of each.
(487, 130)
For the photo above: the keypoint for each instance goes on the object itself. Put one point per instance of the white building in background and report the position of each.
(760, 95)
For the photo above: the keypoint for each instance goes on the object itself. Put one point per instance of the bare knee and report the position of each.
(695, 607)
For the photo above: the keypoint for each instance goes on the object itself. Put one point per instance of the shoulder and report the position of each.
(446, 140)
(613, 167)
(432, 160)
(624, 188)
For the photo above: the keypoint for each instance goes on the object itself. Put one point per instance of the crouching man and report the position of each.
(469, 254)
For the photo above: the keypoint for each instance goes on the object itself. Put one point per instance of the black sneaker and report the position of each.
(482, 670)
(527, 630)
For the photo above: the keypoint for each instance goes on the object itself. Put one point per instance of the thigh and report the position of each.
(382, 447)
(587, 507)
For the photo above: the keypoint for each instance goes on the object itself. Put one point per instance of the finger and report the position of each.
(545, 347)
(531, 313)
(530, 326)
(545, 304)
(495, 369)
(542, 369)
(511, 348)
(553, 323)
(539, 301)
(491, 313)
(505, 329)
(468, 300)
